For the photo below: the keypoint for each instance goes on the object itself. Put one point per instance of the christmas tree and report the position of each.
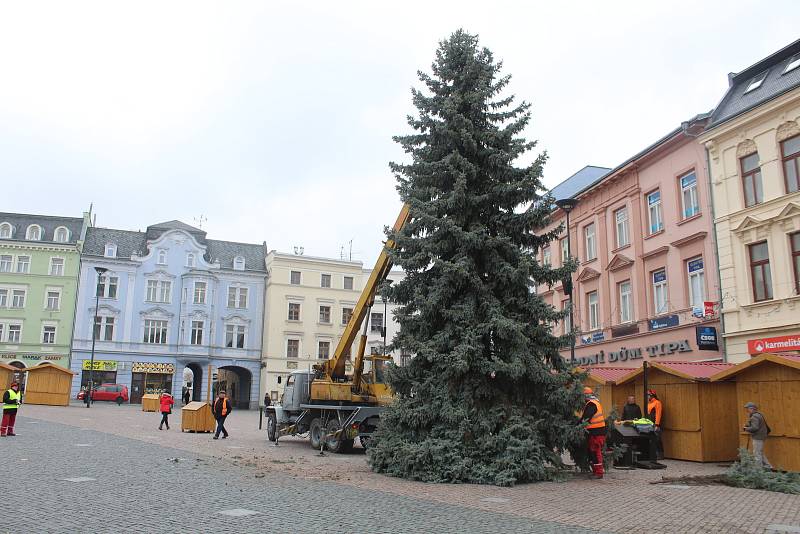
(487, 398)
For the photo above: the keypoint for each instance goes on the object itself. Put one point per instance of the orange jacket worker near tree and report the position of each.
(654, 413)
(221, 409)
(596, 428)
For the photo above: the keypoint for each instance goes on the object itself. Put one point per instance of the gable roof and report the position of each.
(48, 365)
(609, 375)
(128, 243)
(736, 101)
(696, 371)
(225, 252)
(578, 181)
(49, 223)
(789, 360)
(154, 231)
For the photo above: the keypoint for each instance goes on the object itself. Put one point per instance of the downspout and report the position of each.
(721, 336)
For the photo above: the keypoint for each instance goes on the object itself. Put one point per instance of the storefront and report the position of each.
(24, 360)
(789, 344)
(150, 377)
(105, 372)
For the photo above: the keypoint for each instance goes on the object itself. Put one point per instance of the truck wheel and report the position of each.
(272, 427)
(120, 400)
(316, 432)
(336, 444)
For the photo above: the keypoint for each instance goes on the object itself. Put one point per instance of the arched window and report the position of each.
(238, 263)
(111, 250)
(5, 231)
(162, 257)
(34, 232)
(190, 260)
(61, 235)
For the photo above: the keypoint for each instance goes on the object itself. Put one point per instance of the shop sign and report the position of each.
(624, 354)
(773, 344)
(593, 338)
(625, 330)
(707, 338)
(667, 321)
(33, 357)
(154, 368)
(100, 365)
(709, 308)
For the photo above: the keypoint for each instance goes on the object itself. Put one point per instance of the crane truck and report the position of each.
(334, 408)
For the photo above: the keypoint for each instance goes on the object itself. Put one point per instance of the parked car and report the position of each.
(107, 392)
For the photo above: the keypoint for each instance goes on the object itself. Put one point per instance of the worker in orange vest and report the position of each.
(654, 413)
(596, 428)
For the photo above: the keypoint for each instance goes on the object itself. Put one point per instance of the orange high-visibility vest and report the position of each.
(224, 408)
(655, 406)
(597, 420)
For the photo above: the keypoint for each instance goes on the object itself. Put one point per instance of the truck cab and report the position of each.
(295, 393)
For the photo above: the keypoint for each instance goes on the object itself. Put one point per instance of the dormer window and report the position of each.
(756, 82)
(5, 231)
(111, 250)
(238, 263)
(162, 257)
(190, 260)
(61, 235)
(794, 62)
(34, 233)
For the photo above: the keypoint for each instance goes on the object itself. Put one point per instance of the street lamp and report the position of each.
(568, 204)
(100, 272)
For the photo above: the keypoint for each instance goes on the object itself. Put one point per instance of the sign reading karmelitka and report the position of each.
(773, 344)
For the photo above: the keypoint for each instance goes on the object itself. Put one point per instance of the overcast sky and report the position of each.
(273, 121)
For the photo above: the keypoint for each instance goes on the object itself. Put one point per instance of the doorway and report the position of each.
(196, 384)
(236, 381)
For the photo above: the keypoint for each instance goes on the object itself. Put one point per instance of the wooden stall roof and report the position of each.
(696, 371)
(195, 405)
(47, 365)
(609, 375)
(7, 367)
(789, 360)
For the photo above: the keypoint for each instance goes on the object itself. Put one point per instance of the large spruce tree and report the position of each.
(487, 398)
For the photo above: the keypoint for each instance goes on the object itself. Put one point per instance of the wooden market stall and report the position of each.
(151, 402)
(197, 417)
(699, 419)
(772, 382)
(6, 375)
(48, 384)
(603, 380)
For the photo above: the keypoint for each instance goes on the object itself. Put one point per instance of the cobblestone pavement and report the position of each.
(625, 501)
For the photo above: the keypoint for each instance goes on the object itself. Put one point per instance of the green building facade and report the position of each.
(39, 266)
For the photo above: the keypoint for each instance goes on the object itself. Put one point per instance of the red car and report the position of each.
(108, 392)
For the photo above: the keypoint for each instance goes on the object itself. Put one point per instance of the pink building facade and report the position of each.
(647, 282)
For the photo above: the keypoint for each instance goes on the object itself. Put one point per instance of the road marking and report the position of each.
(494, 499)
(675, 486)
(238, 512)
(23, 459)
(783, 528)
(83, 444)
(78, 479)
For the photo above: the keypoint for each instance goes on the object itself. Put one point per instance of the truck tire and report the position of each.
(337, 444)
(316, 432)
(272, 427)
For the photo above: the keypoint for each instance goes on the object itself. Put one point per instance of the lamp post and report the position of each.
(100, 272)
(568, 204)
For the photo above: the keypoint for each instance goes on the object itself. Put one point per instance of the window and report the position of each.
(594, 310)
(760, 272)
(199, 292)
(107, 286)
(591, 248)
(104, 328)
(53, 300)
(325, 280)
(689, 199)
(48, 335)
(654, 212)
(238, 263)
(794, 244)
(162, 257)
(111, 250)
(294, 311)
(3, 298)
(190, 260)
(621, 217)
(23, 264)
(751, 180)
(14, 333)
(565, 306)
(660, 292)
(34, 233)
(756, 82)
(237, 297)
(325, 314)
(5, 231)
(347, 313)
(234, 336)
(625, 302)
(56, 266)
(61, 235)
(159, 291)
(324, 350)
(564, 250)
(790, 151)
(18, 298)
(155, 331)
(295, 278)
(546, 256)
(348, 282)
(5, 263)
(793, 63)
(292, 348)
(197, 333)
(697, 282)
(376, 322)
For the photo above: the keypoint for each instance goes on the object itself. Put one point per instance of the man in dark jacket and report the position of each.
(221, 409)
(631, 410)
(11, 401)
(758, 429)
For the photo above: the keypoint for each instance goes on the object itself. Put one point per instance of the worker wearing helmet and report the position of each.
(11, 401)
(595, 423)
(655, 413)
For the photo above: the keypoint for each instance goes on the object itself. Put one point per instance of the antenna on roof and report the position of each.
(200, 220)
(299, 251)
